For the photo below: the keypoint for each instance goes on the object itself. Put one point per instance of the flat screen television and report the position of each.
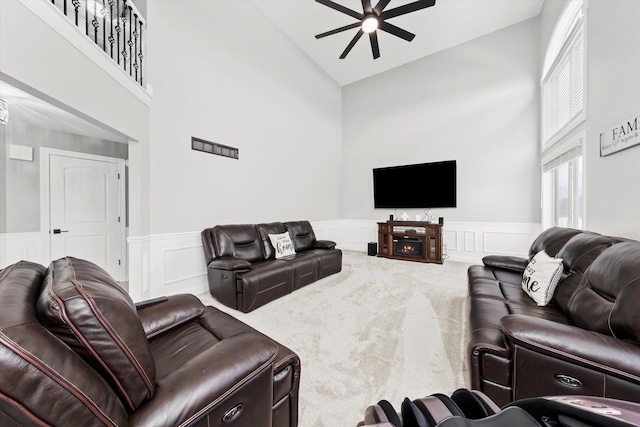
(420, 186)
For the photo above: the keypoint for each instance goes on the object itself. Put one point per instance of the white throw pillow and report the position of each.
(541, 277)
(282, 244)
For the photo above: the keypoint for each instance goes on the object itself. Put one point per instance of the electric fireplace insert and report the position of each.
(408, 247)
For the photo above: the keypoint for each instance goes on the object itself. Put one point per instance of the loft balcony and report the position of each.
(115, 26)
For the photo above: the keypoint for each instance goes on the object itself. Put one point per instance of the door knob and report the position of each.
(58, 231)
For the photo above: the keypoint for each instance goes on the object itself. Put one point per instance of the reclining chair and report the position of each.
(467, 408)
(75, 350)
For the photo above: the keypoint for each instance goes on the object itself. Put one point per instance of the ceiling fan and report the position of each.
(372, 19)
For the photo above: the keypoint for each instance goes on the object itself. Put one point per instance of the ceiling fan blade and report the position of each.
(340, 8)
(339, 30)
(380, 6)
(366, 6)
(375, 49)
(407, 8)
(396, 31)
(351, 44)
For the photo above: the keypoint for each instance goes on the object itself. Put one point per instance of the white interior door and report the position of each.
(85, 211)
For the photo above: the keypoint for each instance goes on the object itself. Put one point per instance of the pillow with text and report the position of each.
(282, 244)
(541, 277)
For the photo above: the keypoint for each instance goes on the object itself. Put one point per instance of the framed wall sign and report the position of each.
(624, 135)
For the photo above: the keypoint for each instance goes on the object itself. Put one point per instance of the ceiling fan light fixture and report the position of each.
(372, 19)
(370, 24)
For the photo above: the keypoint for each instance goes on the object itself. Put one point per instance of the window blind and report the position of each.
(565, 157)
(563, 86)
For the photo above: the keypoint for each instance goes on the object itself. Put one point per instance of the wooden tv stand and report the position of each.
(410, 241)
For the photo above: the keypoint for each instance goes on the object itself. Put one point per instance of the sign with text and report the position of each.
(622, 136)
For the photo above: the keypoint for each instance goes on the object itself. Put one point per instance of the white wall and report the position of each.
(613, 182)
(222, 72)
(475, 103)
(613, 95)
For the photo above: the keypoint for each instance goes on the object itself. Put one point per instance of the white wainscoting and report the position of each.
(356, 234)
(166, 264)
(328, 230)
(169, 264)
(15, 247)
(470, 241)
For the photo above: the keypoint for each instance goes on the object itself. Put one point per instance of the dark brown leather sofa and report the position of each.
(586, 341)
(242, 269)
(76, 351)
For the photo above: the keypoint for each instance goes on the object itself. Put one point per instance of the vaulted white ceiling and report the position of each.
(447, 24)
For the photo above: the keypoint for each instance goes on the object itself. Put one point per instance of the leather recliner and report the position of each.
(75, 350)
(243, 272)
(585, 342)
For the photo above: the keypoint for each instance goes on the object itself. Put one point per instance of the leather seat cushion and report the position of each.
(84, 307)
(52, 383)
(305, 269)
(196, 389)
(222, 326)
(552, 240)
(286, 365)
(238, 241)
(506, 287)
(494, 294)
(263, 231)
(611, 306)
(329, 261)
(577, 255)
(302, 234)
(176, 347)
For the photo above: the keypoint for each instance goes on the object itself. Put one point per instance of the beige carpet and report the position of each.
(379, 329)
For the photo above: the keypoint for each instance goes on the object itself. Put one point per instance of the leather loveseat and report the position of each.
(585, 341)
(75, 350)
(244, 273)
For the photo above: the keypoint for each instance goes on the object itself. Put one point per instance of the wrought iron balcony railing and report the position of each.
(116, 27)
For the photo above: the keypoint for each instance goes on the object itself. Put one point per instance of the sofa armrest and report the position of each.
(177, 309)
(229, 263)
(324, 244)
(504, 262)
(579, 346)
(235, 370)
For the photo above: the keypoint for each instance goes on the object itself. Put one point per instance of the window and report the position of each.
(563, 108)
(563, 76)
(563, 189)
